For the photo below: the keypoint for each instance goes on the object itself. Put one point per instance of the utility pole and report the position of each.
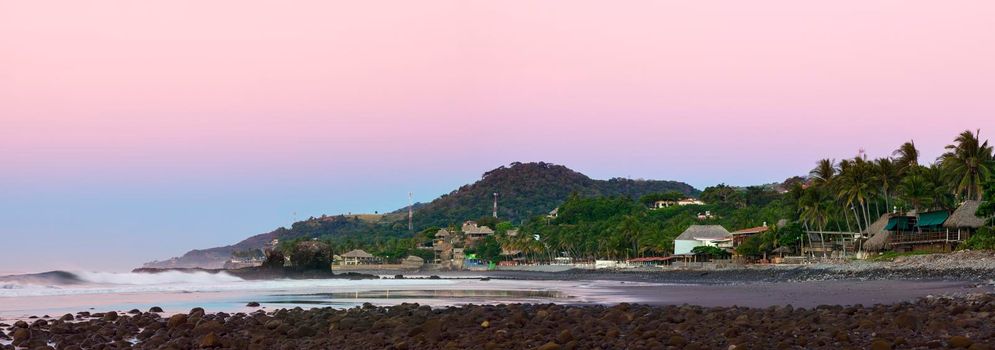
(495, 204)
(411, 214)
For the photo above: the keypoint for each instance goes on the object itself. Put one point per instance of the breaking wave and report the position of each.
(66, 280)
(166, 277)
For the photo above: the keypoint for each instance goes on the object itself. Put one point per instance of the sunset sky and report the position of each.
(134, 130)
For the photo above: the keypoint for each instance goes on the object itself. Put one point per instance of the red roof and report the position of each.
(751, 230)
(652, 258)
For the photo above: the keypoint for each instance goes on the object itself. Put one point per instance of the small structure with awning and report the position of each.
(925, 231)
(652, 260)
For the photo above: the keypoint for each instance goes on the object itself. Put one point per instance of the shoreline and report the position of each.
(924, 323)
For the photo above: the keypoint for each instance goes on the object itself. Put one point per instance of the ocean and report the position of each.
(59, 292)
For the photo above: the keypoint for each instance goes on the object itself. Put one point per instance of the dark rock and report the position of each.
(155, 309)
(881, 345)
(210, 340)
(20, 335)
(176, 320)
(959, 342)
(549, 346)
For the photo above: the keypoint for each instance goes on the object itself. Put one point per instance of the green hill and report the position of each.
(525, 190)
(530, 189)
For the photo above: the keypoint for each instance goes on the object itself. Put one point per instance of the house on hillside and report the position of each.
(474, 232)
(443, 246)
(702, 235)
(358, 257)
(553, 214)
(680, 202)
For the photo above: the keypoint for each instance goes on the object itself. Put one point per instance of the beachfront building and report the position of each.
(936, 231)
(740, 236)
(458, 258)
(443, 246)
(358, 257)
(474, 232)
(413, 262)
(964, 221)
(701, 235)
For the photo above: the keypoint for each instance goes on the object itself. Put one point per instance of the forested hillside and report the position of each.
(529, 189)
(525, 190)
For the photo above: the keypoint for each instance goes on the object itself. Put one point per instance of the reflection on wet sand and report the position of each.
(401, 295)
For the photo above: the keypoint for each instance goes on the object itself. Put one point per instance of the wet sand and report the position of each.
(799, 294)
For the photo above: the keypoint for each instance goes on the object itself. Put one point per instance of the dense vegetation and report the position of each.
(590, 228)
(526, 190)
(529, 189)
(611, 218)
(852, 193)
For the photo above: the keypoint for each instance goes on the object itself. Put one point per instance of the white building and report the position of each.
(700, 236)
(682, 202)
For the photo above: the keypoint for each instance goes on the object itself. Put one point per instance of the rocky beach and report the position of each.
(929, 301)
(926, 323)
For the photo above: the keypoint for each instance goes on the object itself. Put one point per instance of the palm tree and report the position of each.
(815, 204)
(908, 155)
(888, 175)
(630, 229)
(855, 187)
(968, 162)
(916, 189)
(824, 172)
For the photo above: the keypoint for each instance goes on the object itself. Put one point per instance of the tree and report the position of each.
(916, 189)
(488, 249)
(908, 156)
(824, 171)
(790, 235)
(987, 207)
(750, 247)
(650, 198)
(723, 194)
(815, 205)
(489, 221)
(888, 174)
(969, 163)
(855, 186)
(710, 251)
(310, 255)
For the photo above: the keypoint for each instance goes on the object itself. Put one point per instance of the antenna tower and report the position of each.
(495, 204)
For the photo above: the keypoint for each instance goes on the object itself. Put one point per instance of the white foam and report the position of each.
(195, 282)
(167, 277)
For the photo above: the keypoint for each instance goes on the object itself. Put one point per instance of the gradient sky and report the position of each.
(137, 130)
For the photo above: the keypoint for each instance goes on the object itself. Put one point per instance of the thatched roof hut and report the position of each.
(358, 253)
(879, 236)
(413, 261)
(965, 216)
(704, 233)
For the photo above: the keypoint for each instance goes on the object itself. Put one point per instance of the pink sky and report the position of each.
(233, 101)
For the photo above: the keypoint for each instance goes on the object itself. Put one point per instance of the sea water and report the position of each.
(59, 292)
